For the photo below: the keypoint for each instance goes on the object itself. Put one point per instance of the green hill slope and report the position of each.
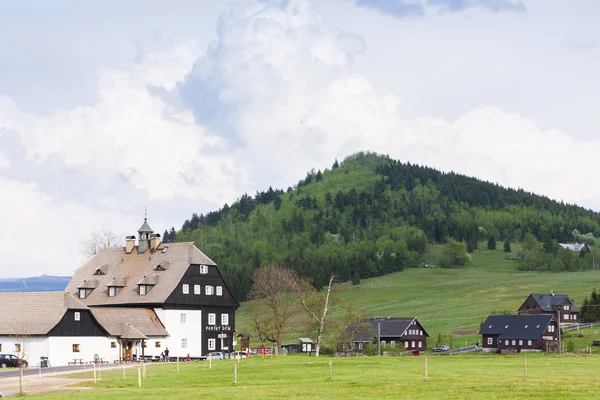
(370, 216)
(450, 300)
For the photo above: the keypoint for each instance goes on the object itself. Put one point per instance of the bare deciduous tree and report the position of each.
(273, 290)
(317, 305)
(357, 327)
(97, 240)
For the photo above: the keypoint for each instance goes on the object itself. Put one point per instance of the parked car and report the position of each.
(441, 347)
(238, 354)
(216, 355)
(8, 361)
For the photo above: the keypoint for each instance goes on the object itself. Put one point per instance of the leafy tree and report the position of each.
(507, 246)
(355, 279)
(491, 243)
(455, 254)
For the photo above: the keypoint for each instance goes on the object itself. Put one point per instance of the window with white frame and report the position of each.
(514, 342)
(183, 318)
(506, 342)
(77, 315)
(184, 343)
(142, 290)
(420, 344)
(76, 348)
(360, 346)
(566, 316)
(212, 344)
(112, 291)
(196, 289)
(82, 293)
(551, 328)
(573, 316)
(204, 269)
(490, 340)
(208, 290)
(224, 319)
(421, 333)
(211, 319)
(520, 343)
(529, 343)
(406, 345)
(186, 288)
(566, 307)
(393, 343)
(219, 291)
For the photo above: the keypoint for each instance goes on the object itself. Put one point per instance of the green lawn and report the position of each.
(456, 377)
(447, 300)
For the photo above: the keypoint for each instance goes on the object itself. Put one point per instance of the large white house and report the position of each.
(123, 304)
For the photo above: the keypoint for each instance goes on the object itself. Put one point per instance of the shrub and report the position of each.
(570, 346)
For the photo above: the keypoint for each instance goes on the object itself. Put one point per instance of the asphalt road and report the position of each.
(36, 371)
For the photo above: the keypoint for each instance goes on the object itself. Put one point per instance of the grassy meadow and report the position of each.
(450, 300)
(450, 377)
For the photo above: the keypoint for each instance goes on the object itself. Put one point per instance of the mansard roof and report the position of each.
(129, 269)
(34, 313)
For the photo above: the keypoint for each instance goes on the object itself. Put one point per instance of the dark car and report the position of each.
(10, 361)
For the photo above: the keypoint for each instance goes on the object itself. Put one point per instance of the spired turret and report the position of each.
(144, 234)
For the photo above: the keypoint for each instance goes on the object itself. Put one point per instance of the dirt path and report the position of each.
(38, 384)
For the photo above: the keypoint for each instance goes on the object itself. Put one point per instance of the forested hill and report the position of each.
(371, 215)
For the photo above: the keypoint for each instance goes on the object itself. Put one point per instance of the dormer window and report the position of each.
(83, 293)
(142, 290)
(99, 272)
(204, 269)
(159, 267)
(112, 291)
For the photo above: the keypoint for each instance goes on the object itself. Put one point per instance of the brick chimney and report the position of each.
(154, 241)
(129, 244)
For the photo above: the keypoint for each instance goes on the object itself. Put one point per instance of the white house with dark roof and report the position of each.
(123, 304)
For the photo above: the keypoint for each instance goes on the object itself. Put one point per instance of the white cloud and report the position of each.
(275, 96)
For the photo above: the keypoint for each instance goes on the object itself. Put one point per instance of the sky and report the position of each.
(110, 107)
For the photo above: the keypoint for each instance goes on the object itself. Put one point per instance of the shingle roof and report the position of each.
(305, 340)
(129, 269)
(389, 327)
(120, 321)
(548, 302)
(527, 327)
(34, 313)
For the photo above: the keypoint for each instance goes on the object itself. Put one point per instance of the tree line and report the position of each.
(370, 215)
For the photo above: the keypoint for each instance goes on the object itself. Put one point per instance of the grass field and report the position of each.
(447, 300)
(456, 377)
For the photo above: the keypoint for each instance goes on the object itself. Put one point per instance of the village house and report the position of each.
(126, 303)
(408, 332)
(576, 247)
(560, 306)
(519, 333)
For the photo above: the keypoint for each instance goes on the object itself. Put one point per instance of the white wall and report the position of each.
(60, 349)
(190, 330)
(32, 348)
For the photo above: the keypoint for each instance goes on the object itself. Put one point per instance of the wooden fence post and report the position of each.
(525, 367)
(234, 373)
(99, 373)
(330, 370)
(209, 360)
(139, 376)
(426, 368)
(177, 363)
(95, 374)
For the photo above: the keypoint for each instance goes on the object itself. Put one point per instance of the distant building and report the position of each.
(576, 247)
(519, 333)
(560, 306)
(406, 331)
(123, 304)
